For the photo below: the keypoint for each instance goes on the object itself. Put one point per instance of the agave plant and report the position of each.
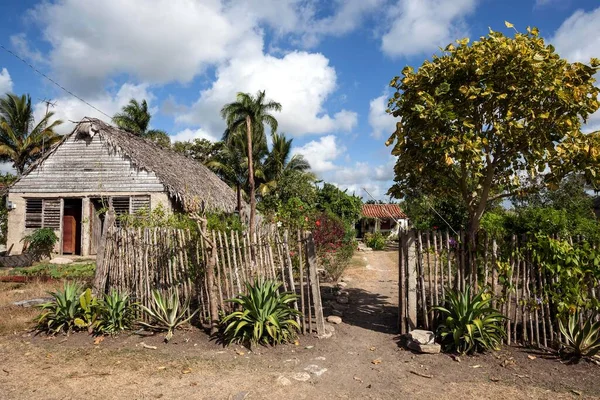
(117, 313)
(583, 341)
(166, 312)
(60, 314)
(89, 312)
(265, 316)
(469, 323)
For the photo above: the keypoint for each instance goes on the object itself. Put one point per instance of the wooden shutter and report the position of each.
(33, 213)
(139, 203)
(51, 213)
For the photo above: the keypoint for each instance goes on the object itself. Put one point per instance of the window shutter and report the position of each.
(33, 213)
(139, 203)
(51, 213)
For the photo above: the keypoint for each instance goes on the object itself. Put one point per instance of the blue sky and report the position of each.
(327, 63)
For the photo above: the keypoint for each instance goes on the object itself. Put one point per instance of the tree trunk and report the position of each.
(251, 184)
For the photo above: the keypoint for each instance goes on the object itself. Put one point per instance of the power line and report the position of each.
(53, 81)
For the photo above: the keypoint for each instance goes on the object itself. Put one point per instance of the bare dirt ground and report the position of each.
(362, 360)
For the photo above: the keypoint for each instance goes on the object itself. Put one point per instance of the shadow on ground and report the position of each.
(365, 309)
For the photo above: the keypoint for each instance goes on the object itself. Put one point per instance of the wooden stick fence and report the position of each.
(431, 262)
(140, 260)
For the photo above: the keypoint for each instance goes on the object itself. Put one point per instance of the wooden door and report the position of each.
(69, 234)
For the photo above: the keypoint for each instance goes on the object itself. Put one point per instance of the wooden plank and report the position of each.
(311, 256)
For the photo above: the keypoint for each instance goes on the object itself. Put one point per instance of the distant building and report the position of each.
(97, 167)
(381, 218)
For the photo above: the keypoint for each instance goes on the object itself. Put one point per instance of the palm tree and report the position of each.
(279, 161)
(22, 140)
(253, 113)
(135, 118)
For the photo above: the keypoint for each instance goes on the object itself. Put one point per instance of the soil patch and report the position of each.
(362, 360)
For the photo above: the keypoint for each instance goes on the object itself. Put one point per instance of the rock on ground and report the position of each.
(334, 319)
(60, 260)
(421, 336)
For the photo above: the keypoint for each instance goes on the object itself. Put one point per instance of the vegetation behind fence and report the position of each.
(533, 280)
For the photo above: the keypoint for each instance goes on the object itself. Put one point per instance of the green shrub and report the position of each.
(469, 323)
(42, 242)
(376, 240)
(67, 271)
(265, 316)
(59, 314)
(583, 341)
(335, 262)
(117, 313)
(166, 312)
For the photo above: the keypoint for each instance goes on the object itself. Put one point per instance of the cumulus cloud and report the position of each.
(577, 37)
(381, 122)
(577, 40)
(300, 81)
(421, 26)
(158, 41)
(6, 84)
(191, 134)
(70, 109)
(321, 154)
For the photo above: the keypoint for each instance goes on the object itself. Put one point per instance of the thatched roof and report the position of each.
(189, 182)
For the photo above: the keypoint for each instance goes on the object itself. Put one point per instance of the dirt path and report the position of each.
(362, 360)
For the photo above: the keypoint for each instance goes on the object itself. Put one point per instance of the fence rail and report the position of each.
(210, 267)
(519, 285)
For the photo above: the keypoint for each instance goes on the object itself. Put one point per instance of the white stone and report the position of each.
(315, 370)
(334, 319)
(61, 260)
(424, 348)
(301, 376)
(422, 336)
(341, 285)
(283, 381)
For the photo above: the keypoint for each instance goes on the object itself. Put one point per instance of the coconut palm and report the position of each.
(279, 161)
(135, 118)
(230, 163)
(22, 141)
(251, 112)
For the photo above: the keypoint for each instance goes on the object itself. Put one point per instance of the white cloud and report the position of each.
(577, 38)
(310, 21)
(157, 41)
(321, 153)
(381, 122)
(6, 84)
(21, 45)
(70, 109)
(191, 134)
(300, 81)
(421, 26)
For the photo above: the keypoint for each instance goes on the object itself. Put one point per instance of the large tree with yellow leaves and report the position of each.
(476, 119)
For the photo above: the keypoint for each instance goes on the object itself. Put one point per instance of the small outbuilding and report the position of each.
(382, 218)
(97, 167)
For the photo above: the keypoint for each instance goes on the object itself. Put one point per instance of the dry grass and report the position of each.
(14, 319)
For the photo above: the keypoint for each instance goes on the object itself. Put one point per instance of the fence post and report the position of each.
(411, 279)
(311, 257)
(101, 274)
(402, 294)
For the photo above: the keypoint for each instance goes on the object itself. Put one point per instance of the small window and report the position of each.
(33, 213)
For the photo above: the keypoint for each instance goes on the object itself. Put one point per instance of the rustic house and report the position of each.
(99, 166)
(381, 218)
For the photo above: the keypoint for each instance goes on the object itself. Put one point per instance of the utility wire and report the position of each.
(53, 81)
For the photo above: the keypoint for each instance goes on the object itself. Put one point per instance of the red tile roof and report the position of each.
(382, 211)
